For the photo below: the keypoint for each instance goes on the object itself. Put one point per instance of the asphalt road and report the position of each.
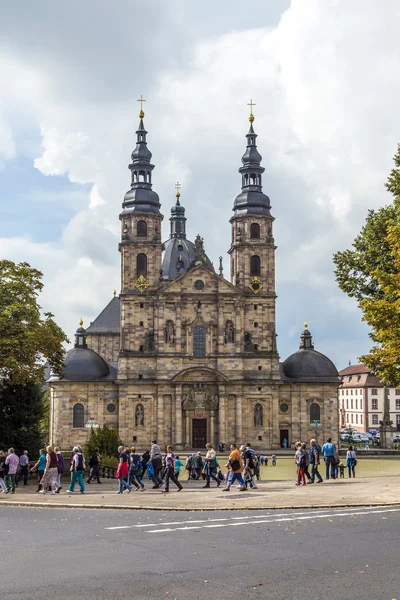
(119, 555)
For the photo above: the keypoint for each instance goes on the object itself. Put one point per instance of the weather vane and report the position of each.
(251, 104)
(141, 100)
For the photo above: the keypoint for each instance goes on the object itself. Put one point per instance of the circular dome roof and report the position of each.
(179, 250)
(309, 364)
(83, 364)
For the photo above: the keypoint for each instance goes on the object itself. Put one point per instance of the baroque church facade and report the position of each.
(183, 355)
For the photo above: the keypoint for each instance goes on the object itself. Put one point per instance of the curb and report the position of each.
(195, 509)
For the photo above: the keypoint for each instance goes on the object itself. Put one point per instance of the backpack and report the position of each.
(150, 470)
(135, 463)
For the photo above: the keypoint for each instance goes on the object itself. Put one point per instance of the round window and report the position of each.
(284, 408)
(199, 284)
(111, 408)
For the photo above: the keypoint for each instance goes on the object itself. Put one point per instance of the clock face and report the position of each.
(199, 284)
(255, 285)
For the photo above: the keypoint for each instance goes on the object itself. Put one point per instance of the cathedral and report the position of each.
(183, 355)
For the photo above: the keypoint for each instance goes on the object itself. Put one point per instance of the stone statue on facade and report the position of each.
(229, 333)
(199, 253)
(258, 415)
(169, 332)
(139, 416)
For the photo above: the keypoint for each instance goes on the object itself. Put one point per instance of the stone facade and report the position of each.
(196, 355)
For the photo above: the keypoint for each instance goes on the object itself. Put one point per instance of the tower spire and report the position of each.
(178, 219)
(141, 197)
(252, 200)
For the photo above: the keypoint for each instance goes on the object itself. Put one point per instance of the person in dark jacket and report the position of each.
(94, 464)
(60, 469)
(3, 472)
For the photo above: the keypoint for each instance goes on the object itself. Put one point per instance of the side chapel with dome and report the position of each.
(184, 355)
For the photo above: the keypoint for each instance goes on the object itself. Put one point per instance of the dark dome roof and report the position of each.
(83, 364)
(182, 250)
(309, 364)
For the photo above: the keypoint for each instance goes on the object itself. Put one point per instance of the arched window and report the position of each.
(141, 229)
(253, 179)
(255, 231)
(199, 342)
(78, 419)
(141, 265)
(258, 416)
(255, 265)
(315, 412)
(142, 176)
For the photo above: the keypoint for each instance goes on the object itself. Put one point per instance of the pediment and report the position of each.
(213, 283)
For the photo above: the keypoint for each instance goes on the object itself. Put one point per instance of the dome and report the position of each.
(83, 364)
(182, 252)
(141, 199)
(308, 364)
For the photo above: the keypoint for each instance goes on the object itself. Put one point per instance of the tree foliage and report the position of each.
(103, 439)
(26, 337)
(371, 274)
(22, 407)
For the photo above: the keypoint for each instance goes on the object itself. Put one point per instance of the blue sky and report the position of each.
(323, 76)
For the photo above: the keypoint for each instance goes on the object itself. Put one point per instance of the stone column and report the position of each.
(160, 417)
(187, 442)
(178, 328)
(220, 325)
(239, 333)
(161, 324)
(157, 332)
(178, 417)
(239, 419)
(222, 415)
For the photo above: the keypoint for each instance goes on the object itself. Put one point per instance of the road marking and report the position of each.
(280, 520)
(253, 519)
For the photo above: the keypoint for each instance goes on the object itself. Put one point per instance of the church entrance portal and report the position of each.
(199, 433)
(285, 436)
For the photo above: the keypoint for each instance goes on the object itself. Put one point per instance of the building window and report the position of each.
(350, 378)
(78, 419)
(255, 231)
(347, 392)
(397, 419)
(352, 404)
(111, 408)
(357, 419)
(351, 392)
(361, 419)
(315, 412)
(374, 392)
(397, 404)
(284, 407)
(360, 403)
(255, 266)
(255, 324)
(374, 419)
(352, 419)
(258, 416)
(141, 229)
(360, 391)
(356, 392)
(374, 404)
(255, 306)
(356, 403)
(358, 377)
(141, 265)
(347, 404)
(199, 342)
(397, 391)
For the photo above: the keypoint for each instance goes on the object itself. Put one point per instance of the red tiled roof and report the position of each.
(355, 370)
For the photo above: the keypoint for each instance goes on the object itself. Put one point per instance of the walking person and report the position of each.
(314, 460)
(329, 450)
(135, 470)
(3, 470)
(210, 466)
(60, 468)
(306, 462)
(12, 461)
(23, 468)
(299, 460)
(50, 472)
(123, 471)
(188, 466)
(351, 461)
(39, 468)
(170, 471)
(235, 466)
(197, 465)
(77, 470)
(249, 470)
(155, 458)
(178, 466)
(94, 464)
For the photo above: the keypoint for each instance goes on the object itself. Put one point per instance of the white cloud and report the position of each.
(326, 115)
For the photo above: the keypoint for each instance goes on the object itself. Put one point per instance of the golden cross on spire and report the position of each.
(141, 100)
(178, 189)
(251, 104)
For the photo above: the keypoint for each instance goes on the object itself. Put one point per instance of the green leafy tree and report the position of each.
(105, 440)
(21, 409)
(26, 336)
(371, 274)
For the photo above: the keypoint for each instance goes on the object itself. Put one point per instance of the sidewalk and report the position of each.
(271, 495)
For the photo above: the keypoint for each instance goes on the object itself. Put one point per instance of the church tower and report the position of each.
(141, 246)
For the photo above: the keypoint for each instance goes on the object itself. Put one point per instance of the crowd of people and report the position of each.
(160, 468)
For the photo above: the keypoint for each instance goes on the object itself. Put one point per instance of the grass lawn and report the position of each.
(285, 469)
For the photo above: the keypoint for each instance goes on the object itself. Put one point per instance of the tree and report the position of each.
(371, 274)
(21, 410)
(103, 439)
(26, 337)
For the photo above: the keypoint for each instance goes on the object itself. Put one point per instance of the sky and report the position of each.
(323, 75)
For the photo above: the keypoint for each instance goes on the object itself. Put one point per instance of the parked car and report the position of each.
(356, 438)
(369, 436)
(364, 438)
(396, 437)
(344, 437)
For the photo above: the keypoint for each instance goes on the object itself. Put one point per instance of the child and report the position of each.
(341, 470)
(178, 466)
(273, 458)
